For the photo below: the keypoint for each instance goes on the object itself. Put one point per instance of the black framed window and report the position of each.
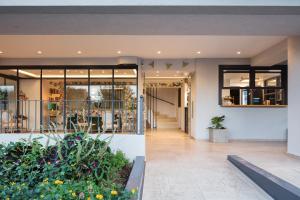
(56, 93)
(248, 86)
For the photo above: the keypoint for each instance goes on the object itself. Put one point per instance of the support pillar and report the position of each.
(294, 95)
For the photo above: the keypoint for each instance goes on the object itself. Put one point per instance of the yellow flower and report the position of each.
(70, 191)
(99, 196)
(133, 191)
(58, 182)
(89, 198)
(114, 193)
(73, 194)
(7, 198)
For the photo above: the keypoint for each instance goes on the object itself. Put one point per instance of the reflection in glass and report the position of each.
(125, 99)
(8, 100)
(77, 98)
(101, 94)
(268, 79)
(236, 79)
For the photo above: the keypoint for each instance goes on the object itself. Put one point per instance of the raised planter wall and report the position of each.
(276, 187)
(136, 178)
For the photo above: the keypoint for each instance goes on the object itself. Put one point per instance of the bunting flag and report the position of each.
(184, 64)
(168, 65)
(151, 64)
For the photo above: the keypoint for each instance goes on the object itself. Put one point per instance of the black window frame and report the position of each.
(65, 68)
(252, 70)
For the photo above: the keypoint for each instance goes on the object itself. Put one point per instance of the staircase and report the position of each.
(166, 122)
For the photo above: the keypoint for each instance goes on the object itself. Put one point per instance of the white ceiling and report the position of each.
(67, 46)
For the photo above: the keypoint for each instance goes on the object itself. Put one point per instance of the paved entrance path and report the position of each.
(181, 168)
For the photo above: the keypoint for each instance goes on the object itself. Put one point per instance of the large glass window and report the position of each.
(125, 99)
(53, 98)
(245, 85)
(101, 94)
(236, 78)
(268, 78)
(8, 100)
(29, 99)
(77, 98)
(42, 98)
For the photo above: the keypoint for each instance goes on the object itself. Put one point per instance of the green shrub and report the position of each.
(76, 167)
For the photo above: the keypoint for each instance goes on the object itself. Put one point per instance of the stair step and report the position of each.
(166, 119)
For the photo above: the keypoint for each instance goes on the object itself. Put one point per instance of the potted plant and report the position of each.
(217, 132)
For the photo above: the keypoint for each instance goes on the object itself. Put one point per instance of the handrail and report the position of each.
(161, 99)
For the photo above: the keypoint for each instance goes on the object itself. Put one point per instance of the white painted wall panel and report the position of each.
(294, 95)
(242, 123)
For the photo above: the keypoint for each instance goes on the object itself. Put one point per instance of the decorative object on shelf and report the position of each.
(185, 64)
(168, 65)
(228, 100)
(22, 95)
(151, 64)
(56, 91)
(52, 106)
(217, 132)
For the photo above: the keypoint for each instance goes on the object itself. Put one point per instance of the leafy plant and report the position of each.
(217, 122)
(76, 167)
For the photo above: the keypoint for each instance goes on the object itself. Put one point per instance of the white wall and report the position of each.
(31, 88)
(271, 56)
(170, 95)
(131, 145)
(242, 123)
(294, 95)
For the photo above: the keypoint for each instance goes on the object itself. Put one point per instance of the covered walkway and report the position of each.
(181, 168)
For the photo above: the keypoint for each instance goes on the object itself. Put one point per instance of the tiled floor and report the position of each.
(181, 168)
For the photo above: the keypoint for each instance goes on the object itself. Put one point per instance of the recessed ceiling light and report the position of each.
(198, 52)
(39, 52)
(119, 52)
(238, 52)
(158, 52)
(117, 71)
(1, 52)
(79, 52)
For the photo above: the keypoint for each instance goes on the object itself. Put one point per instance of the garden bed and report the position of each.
(75, 167)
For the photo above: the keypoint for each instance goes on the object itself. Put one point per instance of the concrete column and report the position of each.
(294, 95)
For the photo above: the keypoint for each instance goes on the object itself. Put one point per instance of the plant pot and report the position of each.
(218, 135)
